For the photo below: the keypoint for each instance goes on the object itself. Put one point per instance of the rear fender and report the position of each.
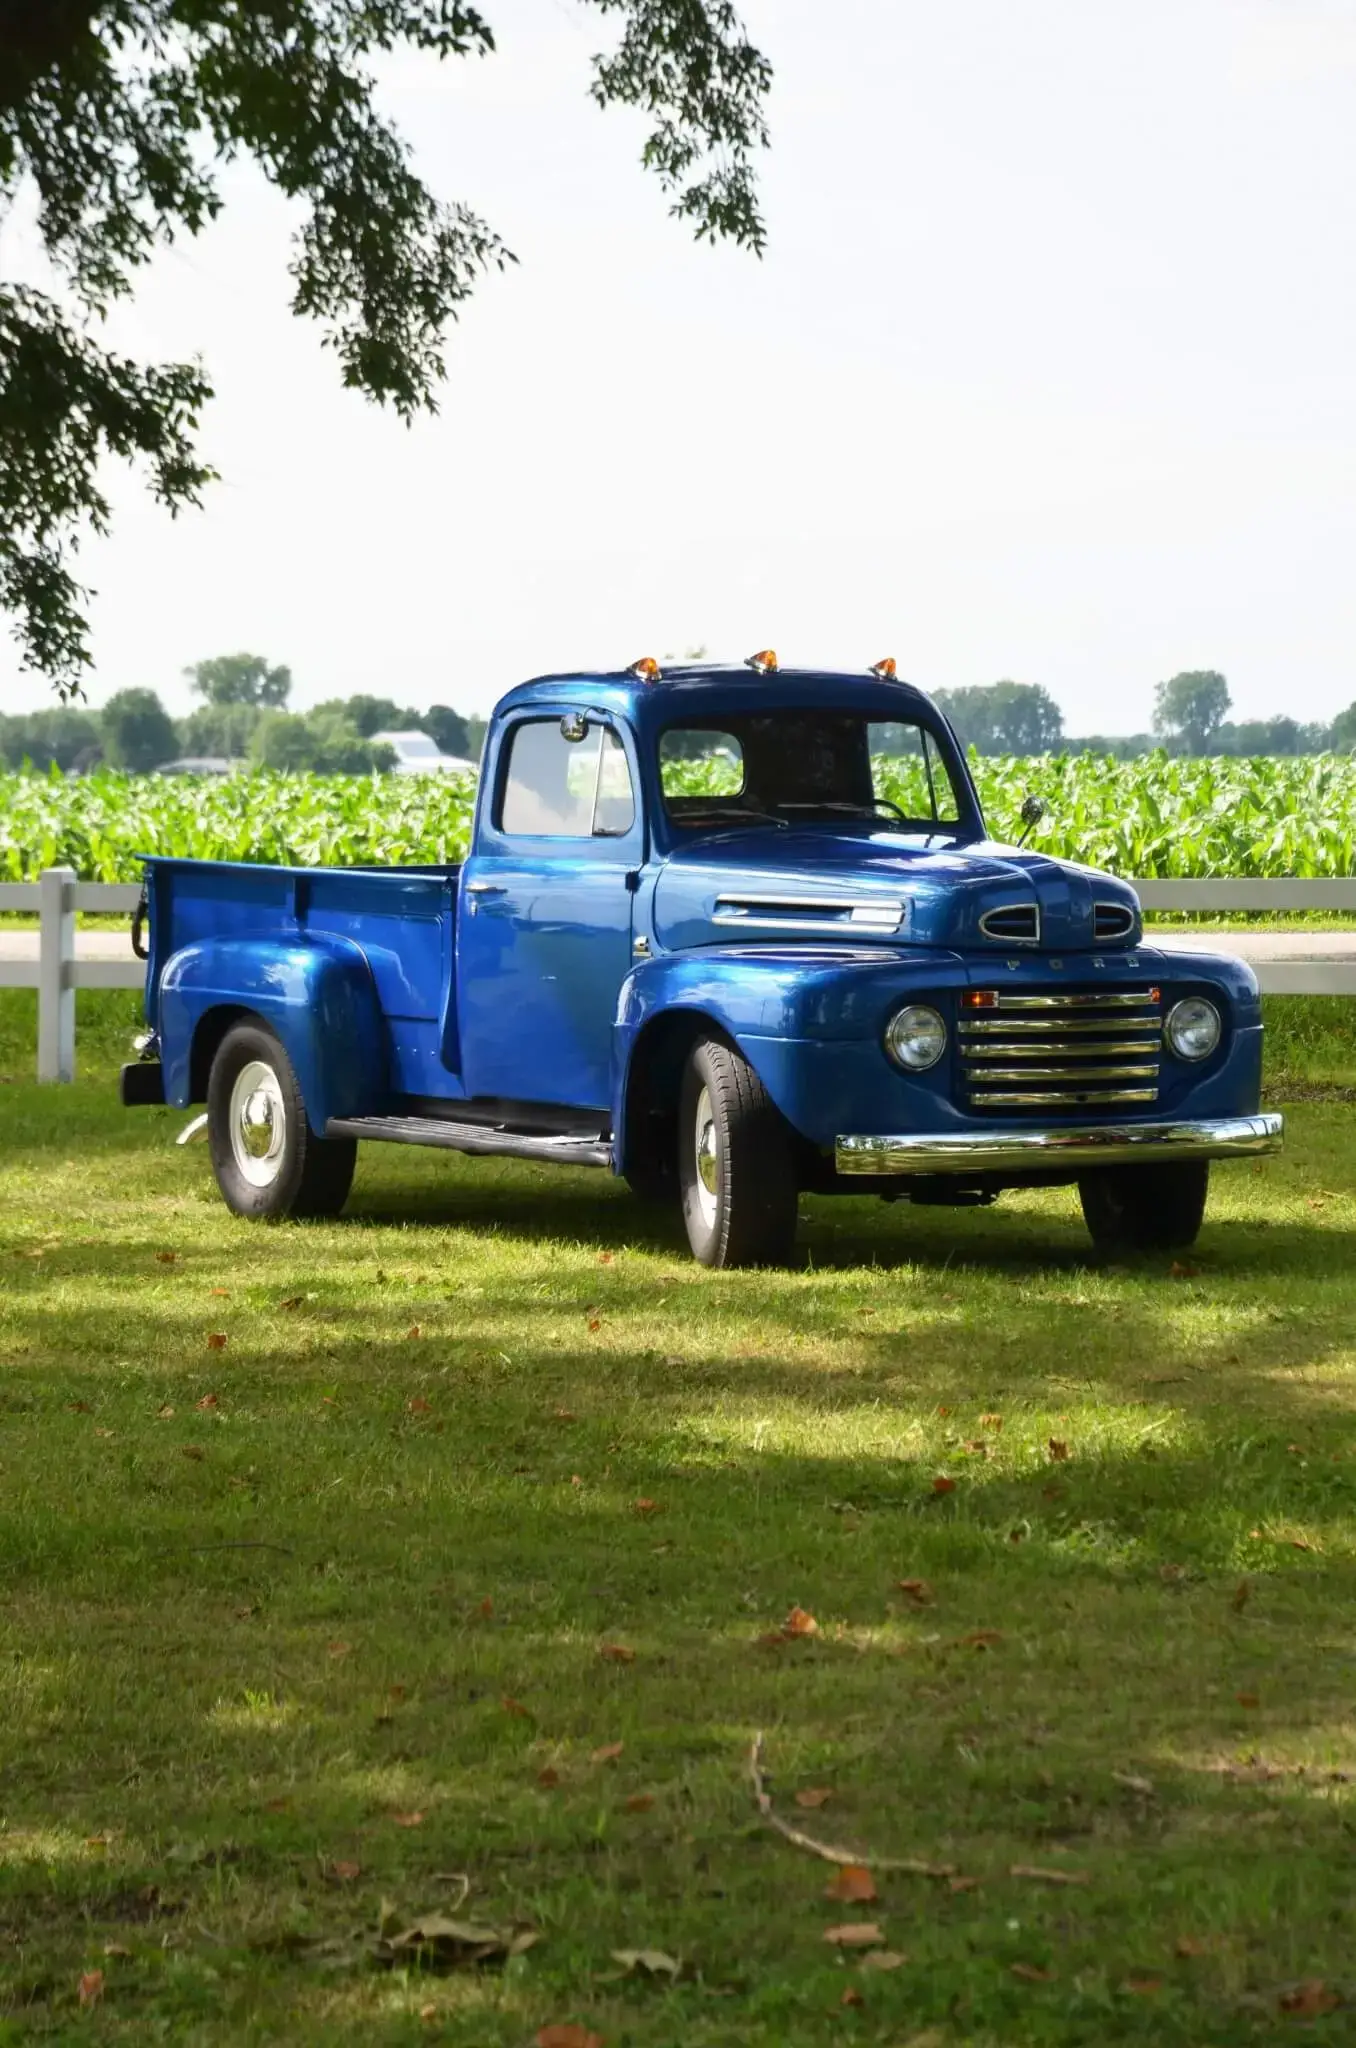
(316, 994)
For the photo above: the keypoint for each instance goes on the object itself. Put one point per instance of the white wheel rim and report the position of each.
(258, 1124)
(706, 1158)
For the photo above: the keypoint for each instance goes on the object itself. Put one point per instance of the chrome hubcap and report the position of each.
(258, 1123)
(707, 1158)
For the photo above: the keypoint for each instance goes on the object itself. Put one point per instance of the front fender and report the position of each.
(770, 1001)
(316, 993)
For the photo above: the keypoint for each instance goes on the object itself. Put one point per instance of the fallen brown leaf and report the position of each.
(216, 1340)
(223, 1293)
(338, 1649)
(486, 1609)
(852, 1996)
(1308, 2000)
(852, 1885)
(813, 1796)
(1247, 1699)
(1059, 1450)
(1031, 1973)
(991, 1422)
(209, 1401)
(800, 1623)
(166, 1258)
(1143, 1987)
(645, 1507)
(640, 1802)
(414, 1331)
(515, 1707)
(964, 1884)
(344, 1873)
(617, 1653)
(607, 1753)
(941, 1484)
(408, 1820)
(916, 1590)
(549, 1778)
(566, 1415)
(567, 2035)
(82, 1408)
(418, 1406)
(91, 1987)
(1041, 1875)
(855, 1934)
(883, 1959)
(595, 1323)
(1171, 1573)
(164, 1414)
(194, 1451)
(292, 1301)
(108, 1432)
(1187, 1945)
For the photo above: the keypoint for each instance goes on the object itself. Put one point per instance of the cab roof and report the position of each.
(687, 689)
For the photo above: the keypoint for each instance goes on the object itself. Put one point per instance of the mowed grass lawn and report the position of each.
(447, 1549)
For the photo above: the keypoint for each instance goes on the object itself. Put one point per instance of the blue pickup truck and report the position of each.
(732, 933)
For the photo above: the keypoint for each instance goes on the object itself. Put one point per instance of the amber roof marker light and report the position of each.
(885, 671)
(646, 670)
(764, 662)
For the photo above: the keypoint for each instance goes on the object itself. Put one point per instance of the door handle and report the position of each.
(486, 889)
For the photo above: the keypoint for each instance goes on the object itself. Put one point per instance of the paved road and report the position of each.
(1254, 946)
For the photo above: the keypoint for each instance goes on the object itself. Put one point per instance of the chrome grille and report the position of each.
(1016, 924)
(1111, 921)
(1069, 1051)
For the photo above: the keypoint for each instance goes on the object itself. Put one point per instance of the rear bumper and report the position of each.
(1062, 1149)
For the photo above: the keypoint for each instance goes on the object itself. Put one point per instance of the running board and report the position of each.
(563, 1149)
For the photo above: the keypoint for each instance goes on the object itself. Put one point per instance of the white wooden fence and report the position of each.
(57, 972)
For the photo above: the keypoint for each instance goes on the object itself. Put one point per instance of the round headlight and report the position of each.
(915, 1038)
(1192, 1028)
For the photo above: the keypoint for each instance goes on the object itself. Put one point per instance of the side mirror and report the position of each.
(1033, 810)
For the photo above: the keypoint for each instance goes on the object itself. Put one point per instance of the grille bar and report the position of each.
(1080, 1048)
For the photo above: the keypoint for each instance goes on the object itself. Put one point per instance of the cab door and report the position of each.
(545, 911)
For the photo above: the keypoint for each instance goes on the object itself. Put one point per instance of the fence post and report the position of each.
(56, 999)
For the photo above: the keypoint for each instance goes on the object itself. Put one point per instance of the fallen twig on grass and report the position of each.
(800, 1840)
(182, 1549)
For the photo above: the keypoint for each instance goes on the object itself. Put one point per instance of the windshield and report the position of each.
(790, 766)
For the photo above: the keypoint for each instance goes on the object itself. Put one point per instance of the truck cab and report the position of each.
(733, 933)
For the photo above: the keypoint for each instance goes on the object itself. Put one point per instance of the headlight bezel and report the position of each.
(1173, 1024)
(893, 1033)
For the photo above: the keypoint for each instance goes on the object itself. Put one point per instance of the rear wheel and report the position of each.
(736, 1162)
(267, 1159)
(1145, 1208)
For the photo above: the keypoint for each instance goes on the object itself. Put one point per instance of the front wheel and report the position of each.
(736, 1162)
(267, 1159)
(1145, 1208)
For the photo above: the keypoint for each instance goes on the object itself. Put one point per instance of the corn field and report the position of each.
(1153, 816)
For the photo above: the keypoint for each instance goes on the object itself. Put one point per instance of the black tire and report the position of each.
(1145, 1208)
(746, 1214)
(299, 1174)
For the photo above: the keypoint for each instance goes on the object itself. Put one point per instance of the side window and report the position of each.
(559, 787)
(614, 813)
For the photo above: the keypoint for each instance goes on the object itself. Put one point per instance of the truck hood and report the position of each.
(887, 888)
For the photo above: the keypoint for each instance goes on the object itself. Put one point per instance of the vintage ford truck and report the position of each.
(732, 933)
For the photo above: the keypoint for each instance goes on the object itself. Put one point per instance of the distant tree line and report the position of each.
(1190, 717)
(243, 717)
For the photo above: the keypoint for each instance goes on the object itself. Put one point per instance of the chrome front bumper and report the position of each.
(1069, 1148)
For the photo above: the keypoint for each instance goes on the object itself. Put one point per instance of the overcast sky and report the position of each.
(1050, 372)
